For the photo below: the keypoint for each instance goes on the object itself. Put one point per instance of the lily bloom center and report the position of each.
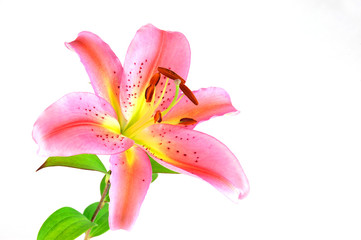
(147, 113)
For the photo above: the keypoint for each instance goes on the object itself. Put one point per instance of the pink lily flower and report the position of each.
(137, 110)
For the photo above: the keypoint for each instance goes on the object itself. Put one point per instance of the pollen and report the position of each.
(188, 93)
(149, 92)
(169, 73)
(172, 75)
(158, 117)
(187, 121)
(155, 79)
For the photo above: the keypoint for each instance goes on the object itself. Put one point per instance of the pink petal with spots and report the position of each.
(212, 102)
(152, 48)
(195, 153)
(79, 123)
(102, 65)
(130, 179)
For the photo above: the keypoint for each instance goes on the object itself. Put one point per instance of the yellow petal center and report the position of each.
(146, 111)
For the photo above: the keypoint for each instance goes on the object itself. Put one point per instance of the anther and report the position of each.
(158, 117)
(188, 93)
(149, 93)
(187, 121)
(155, 79)
(169, 73)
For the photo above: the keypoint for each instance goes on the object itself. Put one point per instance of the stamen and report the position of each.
(188, 93)
(149, 117)
(149, 93)
(158, 117)
(187, 121)
(162, 95)
(147, 120)
(174, 101)
(169, 73)
(155, 79)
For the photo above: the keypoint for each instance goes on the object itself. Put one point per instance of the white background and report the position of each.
(291, 67)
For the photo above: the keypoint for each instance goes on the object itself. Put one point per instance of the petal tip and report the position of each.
(115, 227)
(234, 113)
(68, 46)
(243, 193)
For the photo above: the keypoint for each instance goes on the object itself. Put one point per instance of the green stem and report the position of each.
(100, 205)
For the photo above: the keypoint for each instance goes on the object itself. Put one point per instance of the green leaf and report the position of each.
(82, 161)
(102, 187)
(64, 224)
(154, 176)
(157, 168)
(101, 219)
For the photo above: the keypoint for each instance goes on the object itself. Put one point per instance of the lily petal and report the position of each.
(130, 179)
(212, 102)
(102, 65)
(198, 154)
(79, 123)
(152, 48)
